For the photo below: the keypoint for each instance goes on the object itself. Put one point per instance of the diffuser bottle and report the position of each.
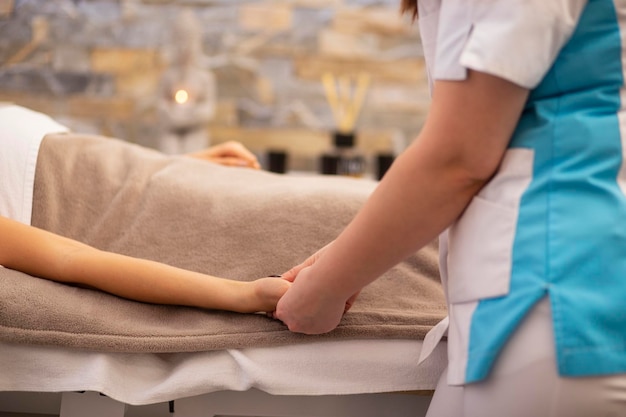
(344, 159)
(345, 96)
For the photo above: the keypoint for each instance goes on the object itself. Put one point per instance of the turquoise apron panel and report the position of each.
(570, 241)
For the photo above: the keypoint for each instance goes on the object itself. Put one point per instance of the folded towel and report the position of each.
(231, 222)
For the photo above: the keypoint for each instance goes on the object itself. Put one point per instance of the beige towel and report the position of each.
(231, 222)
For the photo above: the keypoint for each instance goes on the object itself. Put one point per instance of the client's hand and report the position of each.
(228, 153)
(265, 294)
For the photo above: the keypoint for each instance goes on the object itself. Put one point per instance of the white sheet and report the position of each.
(322, 368)
(21, 133)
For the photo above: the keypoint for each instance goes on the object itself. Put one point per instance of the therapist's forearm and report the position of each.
(415, 202)
(428, 187)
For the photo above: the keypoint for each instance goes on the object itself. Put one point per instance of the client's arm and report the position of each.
(43, 254)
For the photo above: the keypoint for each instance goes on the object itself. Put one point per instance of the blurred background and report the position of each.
(280, 76)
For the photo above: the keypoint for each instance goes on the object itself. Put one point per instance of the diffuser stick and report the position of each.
(345, 98)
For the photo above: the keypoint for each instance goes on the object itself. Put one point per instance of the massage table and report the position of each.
(97, 353)
(321, 379)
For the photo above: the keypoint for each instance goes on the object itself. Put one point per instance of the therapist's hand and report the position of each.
(292, 274)
(308, 308)
(228, 153)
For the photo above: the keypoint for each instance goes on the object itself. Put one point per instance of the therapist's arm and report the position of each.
(459, 149)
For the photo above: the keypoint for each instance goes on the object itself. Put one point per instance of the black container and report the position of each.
(277, 161)
(329, 164)
(383, 163)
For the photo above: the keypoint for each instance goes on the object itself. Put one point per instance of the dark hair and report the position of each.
(409, 7)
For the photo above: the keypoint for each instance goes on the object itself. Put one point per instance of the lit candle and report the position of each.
(181, 96)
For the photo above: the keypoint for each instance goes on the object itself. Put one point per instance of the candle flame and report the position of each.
(181, 96)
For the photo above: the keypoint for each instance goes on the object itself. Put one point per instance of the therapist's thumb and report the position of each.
(292, 273)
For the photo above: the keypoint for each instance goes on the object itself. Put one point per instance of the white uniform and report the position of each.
(535, 268)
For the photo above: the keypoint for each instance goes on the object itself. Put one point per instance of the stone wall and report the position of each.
(95, 65)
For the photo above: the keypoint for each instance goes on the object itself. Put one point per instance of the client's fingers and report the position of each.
(228, 153)
(350, 301)
(237, 150)
(235, 161)
(292, 273)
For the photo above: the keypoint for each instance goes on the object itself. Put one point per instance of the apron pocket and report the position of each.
(480, 251)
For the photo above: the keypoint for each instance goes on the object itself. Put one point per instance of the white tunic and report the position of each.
(552, 221)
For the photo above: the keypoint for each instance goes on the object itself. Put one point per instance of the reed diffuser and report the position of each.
(345, 96)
